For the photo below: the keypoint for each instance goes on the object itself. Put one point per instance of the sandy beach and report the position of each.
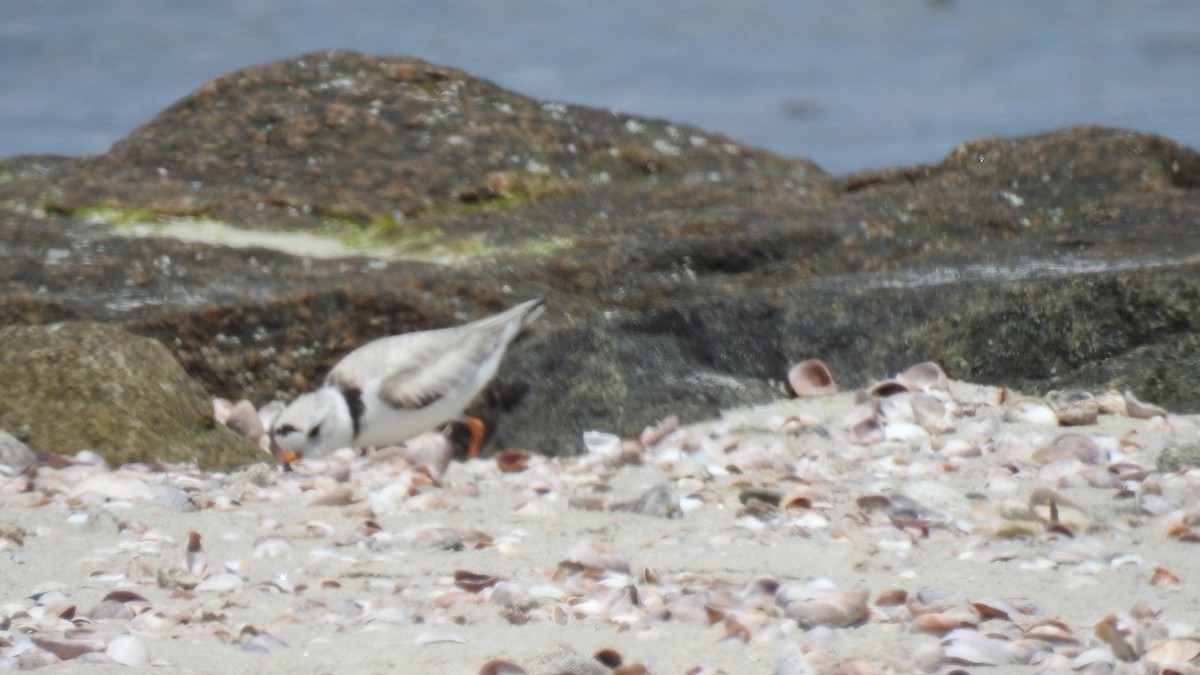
(947, 527)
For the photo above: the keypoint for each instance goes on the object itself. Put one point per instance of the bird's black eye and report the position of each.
(312, 433)
(285, 429)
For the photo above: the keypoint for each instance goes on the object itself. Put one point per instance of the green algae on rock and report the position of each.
(81, 385)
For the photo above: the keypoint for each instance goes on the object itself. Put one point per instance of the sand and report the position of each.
(348, 564)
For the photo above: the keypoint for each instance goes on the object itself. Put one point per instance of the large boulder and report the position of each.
(76, 386)
(283, 214)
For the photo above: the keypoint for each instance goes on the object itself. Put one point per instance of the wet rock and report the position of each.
(92, 386)
(685, 272)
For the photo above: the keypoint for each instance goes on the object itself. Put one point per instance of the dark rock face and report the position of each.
(685, 271)
(77, 386)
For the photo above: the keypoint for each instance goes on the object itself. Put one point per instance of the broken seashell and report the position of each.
(68, 649)
(1162, 576)
(611, 658)
(867, 432)
(932, 413)
(1031, 411)
(512, 461)
(1052, 632)
(128, 650)
(1068, 446)
(996, 608)
(892, 597)
(596, 555)
(904, 432)
(925, 376)
(1057, 511)
(1078, 413)
(607, 446)
(970, 648)
(513, 595)
(885, 388)
(838, 610)
(1123, 637)
(905, 512)
(1141, 411)
(338, 495)
(271, 546)
(801, 498)
(118, 485)
(243, 419)
(959, 447)
(473, 582)
(941, 623)
(432, 450)
(1096, 660)
(223, 582)
(811, 379)
(501, 667)
(654, 434)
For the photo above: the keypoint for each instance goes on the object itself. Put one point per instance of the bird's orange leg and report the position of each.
(476, 426)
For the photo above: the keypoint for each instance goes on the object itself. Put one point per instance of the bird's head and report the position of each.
(315, 424)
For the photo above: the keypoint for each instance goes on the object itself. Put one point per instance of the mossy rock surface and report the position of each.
(82, 385)
(284, 214)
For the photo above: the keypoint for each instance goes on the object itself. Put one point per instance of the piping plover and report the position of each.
(394, 388)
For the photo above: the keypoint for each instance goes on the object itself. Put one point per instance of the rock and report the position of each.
(1178, 457)
(93, 386)
(15, 456)
(685, 272)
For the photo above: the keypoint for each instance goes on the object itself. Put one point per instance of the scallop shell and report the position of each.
(1078, 413)
(812, 379)
(128, 650)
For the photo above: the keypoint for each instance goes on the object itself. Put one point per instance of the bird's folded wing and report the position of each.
(417, 372)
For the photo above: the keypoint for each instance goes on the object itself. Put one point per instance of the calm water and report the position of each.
(851, 85)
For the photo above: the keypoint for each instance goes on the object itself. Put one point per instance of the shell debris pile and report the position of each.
(918, 525)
